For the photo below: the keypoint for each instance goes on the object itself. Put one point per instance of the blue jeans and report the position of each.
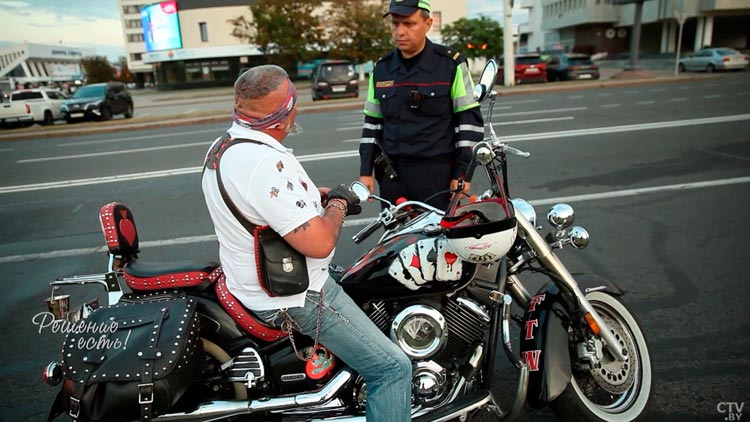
(350, 335)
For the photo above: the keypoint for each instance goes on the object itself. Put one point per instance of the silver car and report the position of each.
(711, 59)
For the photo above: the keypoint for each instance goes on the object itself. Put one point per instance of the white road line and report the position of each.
(355, 153)
(100, 154)
(712, 96)
(632, 92)
(658, 89)
(610, 105)
(192, 110)
(644, 102)
(557, 110)
(524, 122)
(744, 93)
(625, 128)
(6, 149)
(575, 97)
(341, 129)
(134, 138)
(686, 87)
(673, 100)
(351, 140)
(362, 221)
(519, 102)
(604, 94)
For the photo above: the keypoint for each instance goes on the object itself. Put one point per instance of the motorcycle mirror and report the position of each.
(359, 189)
(486, 80)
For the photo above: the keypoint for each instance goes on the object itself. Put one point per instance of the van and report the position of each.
(334, 79)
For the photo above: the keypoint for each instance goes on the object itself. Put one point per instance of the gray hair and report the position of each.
(259, 81)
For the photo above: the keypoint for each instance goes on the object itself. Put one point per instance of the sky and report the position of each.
(96, 23)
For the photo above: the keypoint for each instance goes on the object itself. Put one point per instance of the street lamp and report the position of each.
(681, 16)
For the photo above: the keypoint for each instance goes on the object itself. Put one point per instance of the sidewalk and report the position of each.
(611, 76)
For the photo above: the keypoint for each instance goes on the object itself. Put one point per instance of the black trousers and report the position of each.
(419, 179)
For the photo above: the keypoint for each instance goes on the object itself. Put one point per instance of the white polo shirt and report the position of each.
(269, 187)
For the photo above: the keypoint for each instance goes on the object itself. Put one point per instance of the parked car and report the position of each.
(45, 103)
(528, 68)
(334, 78)
(15, 114)
(98, 102)
(711, 59)
(570, 66)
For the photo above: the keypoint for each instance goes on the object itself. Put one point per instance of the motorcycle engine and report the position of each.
(438, 340)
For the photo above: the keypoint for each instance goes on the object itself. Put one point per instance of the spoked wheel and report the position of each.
(613, 390)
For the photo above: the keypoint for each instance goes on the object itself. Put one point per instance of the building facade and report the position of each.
(32, 64)
(596, 26)
(209, 55)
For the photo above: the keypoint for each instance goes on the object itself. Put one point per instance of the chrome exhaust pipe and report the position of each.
(217, 410)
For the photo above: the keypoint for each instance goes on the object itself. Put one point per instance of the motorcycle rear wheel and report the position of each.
(590, 396)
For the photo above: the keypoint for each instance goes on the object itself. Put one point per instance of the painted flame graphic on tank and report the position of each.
(442, 284)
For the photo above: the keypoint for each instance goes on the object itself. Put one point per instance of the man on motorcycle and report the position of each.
(269, 187)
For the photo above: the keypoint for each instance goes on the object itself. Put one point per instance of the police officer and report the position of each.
(421, 119)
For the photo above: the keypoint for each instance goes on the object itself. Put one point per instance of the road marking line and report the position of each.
(744, 93)
(658, 89)
(341, 129)
(557, 110)
(6, 149)
(712, 96)
(524, 122)
(362, 221)
(352, 140)
(605, 94)
(355, 153)
(192, 110)
(677, 99)
(644, 102)
(575, 97)
(520, 102)
(632, 92)
(610, 105)
(133, 138)
(100, 154)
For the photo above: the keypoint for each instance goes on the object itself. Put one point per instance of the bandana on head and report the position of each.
(272, 120)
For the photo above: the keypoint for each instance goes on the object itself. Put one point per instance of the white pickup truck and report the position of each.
(45, 103)
(15, 114)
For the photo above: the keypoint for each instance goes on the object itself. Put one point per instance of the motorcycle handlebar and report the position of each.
(366, 232)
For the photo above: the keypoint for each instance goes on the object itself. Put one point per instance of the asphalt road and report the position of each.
(658, 174)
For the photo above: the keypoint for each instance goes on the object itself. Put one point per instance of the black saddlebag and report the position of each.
(133, 360)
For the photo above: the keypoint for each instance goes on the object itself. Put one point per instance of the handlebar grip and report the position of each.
(366, 232)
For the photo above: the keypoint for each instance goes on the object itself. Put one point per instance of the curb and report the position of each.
(172, 121)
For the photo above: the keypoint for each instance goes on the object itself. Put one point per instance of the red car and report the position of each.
(528, 68)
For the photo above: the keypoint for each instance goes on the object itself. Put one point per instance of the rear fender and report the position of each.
(544, 338)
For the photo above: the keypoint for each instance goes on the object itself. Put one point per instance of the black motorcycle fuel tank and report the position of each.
(368, 278)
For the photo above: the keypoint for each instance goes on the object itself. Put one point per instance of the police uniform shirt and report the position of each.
(423, 112)
(269, 187)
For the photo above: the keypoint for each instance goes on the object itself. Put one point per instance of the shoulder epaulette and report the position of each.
(449, 52)
(386, 56)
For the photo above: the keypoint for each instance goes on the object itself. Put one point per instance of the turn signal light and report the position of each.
(52, 374)
(592, 323)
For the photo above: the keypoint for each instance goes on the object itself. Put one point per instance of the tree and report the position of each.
(97, 69)
(357, 31)
(285, 28)
(479, 37)
(124, 75)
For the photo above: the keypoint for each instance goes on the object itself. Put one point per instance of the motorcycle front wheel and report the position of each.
(613, 391)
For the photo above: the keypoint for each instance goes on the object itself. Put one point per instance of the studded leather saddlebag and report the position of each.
(133, 360)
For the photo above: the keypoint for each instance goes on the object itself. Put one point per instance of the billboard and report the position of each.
(161, 26)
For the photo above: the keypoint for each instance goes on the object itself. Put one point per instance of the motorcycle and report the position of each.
(441, 284)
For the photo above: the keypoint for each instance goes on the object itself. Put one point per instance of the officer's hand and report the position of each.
(368, 181)
(344, 193)
(454, 186)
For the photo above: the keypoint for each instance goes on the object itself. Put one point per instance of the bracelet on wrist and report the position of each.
(338, 204)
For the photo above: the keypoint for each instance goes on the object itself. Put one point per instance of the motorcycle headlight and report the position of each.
(527, 210)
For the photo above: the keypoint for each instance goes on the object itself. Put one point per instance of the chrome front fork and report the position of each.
(552, 262)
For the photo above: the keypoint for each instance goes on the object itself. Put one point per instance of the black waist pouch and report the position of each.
(282, 270)
(133, 360)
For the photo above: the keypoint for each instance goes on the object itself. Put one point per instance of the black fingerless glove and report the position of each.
(345, 194)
